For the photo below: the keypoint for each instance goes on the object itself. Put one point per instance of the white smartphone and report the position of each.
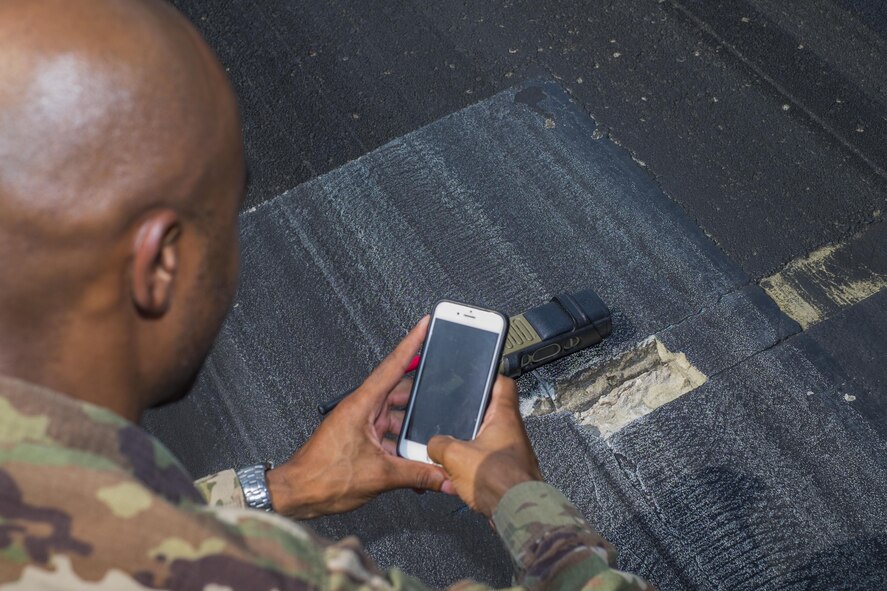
(460, 360)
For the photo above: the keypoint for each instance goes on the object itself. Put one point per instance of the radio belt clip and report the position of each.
(546, 333)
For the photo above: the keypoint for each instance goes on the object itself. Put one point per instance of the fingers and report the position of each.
(401, 393)
(390, 446)
(391, 370)
(397, 398)
(409, 474)
(438, 446)
(390, 422)
(504, 405)
(505, 395)
(395, 421)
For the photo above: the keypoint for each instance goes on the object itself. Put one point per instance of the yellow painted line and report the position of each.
(808, 288)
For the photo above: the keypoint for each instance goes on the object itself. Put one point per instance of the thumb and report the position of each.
(438, 446)
(418, 475)
(505, 397)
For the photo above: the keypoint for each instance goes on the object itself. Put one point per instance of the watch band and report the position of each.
(255, 486)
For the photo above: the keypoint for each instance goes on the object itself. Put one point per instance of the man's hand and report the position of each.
(482, 471)
(348, 461)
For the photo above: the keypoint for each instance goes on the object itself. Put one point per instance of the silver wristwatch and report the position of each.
(255, 486)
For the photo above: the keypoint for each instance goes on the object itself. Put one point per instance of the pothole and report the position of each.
(615, 393)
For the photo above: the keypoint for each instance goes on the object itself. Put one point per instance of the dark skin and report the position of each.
(121, 176)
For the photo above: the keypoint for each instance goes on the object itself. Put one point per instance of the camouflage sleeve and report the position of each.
(222, 489)
(552, 545)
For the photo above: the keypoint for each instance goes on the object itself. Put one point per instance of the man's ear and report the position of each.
(156, 257)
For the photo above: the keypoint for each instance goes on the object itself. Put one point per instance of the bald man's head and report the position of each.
(120, 175)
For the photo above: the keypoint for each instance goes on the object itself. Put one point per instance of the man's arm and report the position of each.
(222, 489)
(552, 545)
(496, 474)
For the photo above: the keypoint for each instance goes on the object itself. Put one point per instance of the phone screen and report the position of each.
(457, 363)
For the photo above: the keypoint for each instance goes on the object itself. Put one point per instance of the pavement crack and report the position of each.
(755, 354)
(703, 309)
(686, 318)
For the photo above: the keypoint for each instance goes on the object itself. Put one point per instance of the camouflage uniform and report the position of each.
(91, 501)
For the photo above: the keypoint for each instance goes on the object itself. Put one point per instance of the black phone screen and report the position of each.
(456, 365)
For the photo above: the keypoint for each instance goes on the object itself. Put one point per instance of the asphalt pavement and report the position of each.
(714, 170)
